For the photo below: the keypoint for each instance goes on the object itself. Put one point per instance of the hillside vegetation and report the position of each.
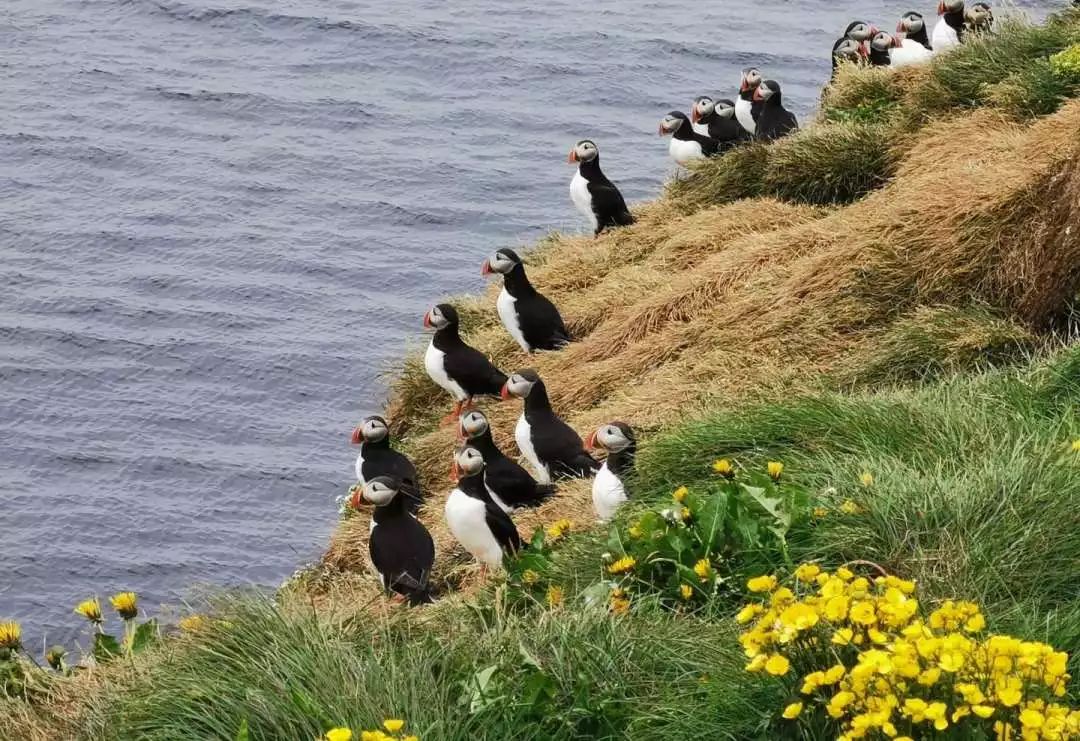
(885, 303)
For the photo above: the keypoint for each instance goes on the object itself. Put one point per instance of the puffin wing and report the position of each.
(404, 555)
(728, 132)
(609, 203)
(502, 527)
(541, 323)
(474, 372)
(564, 451)
(515, 486)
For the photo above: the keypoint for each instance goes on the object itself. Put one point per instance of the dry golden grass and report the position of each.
(759, 296)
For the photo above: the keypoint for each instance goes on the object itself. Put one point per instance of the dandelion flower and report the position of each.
(558, 529)
(680, 494)
(849, 507)
(393, 725)
(619, 605)
(10, 635)
(866, 479)
(792, 711)
(807, 572)
(624, 564)
(125, 603)
(765, 583)
(1076, 445)
(820, 513)
(685, 513)
(339, 734)
(90, 609)
(775, 468)
(554, 596)
(777, 665)
(191, 623)
(724, 468)
(703, 569)
(686, 591)
(634, 532)
(530, 577)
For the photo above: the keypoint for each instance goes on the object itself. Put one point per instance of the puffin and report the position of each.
(595, 196)
(747, 107)
(978, 18)
(530, 318)
(900, 52)
(377, 458)
(473, 518)
(949, 31)
(775, 121)
(686, 144)
(846, 50)
(716, 120)
(510, 486)
(400, 547)
(608, 488)
(462, 371)
(913, 26)
(880, 46)
(862, 32)
(550, 445)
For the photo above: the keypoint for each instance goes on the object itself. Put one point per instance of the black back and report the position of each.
(469, 367)
(539, 319)
(382, 460)
(402, 551)
(922, 37)
(607, 201)
(727, 131)
(956, 20)
(776, 121)
(509, 481)
(555, 442)
(500, 524)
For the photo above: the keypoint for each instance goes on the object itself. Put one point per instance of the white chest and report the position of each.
(909, 53)
(507, 308)
(467, 520)
(523, 437)
(700, 129)
(944, 37)
(582, 198)
(684, 151)
(433, 363)
(360, 465)
(498, 500)
(744, 115)
(608, 493)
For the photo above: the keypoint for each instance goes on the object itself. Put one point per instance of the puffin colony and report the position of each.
(490, 485)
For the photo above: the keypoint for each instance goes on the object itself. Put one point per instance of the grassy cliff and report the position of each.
(885, 303)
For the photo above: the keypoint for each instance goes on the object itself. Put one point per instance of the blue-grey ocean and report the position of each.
(223, 220)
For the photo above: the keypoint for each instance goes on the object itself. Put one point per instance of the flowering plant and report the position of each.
(861, 660)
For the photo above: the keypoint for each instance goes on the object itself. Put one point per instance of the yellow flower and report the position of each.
(620, 605)
(530, 577)
(393, 725)
(90, 609)
(863, 613)
(975, 623)
(775, 468)
(765, 583)
(411, 738)
(191, 623)
(807, 572)
(792, 711)
(10, 635)
(558, 529)
(724, 468)
(820, 513)
(125, 603)
(834, 674)
(554, 596)
(685, 513)
(339, 734)
(680, 494)
(777, 665)
(635, 532)
(624, 564)
(1032, 718)
(983, 711)
(686, 591)
(748, 613)
(843, 636)
(1076, 445)
(866, 479)
(849, 507)
(703, 569)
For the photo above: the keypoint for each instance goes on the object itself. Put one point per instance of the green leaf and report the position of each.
(709, 520)
(537, 542)
(242, 732)
(106, 647)
(482, 689)
(773, 505)
(145, 635)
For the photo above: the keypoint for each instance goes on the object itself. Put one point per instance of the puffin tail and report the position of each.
(541, 494)
(625, 218)
(420, 597)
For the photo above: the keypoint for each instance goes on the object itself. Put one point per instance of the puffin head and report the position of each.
(379, 491)
(501, 261)
(768, 90)
(613, 437)
(884, 41)
(584, 151)
(911, 22)
(751, 78)
(725, 108)
(467, 462)
(520, 384)
(702, 108)
(979, 16)
(848, 50)
(472, 425)
(441, 317)
(372, 430)
(672, 122)
(950, 6)
(860, 31)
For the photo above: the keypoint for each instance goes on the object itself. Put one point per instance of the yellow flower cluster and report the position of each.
(558, 529)
(390, 731)
(1067, 64)
(1076, 445)
(887, 671)
(679, 495)
(192, 623)
(623, 565)
(10, 635)
(703, 569)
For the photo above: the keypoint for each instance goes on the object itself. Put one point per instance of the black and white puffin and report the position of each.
(949, 31)
(686, 144)
(472, 516)
(716, 120)
(880, 45)
(862, 32)
(550, 445)
(608, 488)
(530, 318)
(595, 196)
(913, 26)
(775, 121)
(511, 487)
(747, 108)
(401, 548)
(847, 50)
(979, 18)
(462, 371)
(901, 52)
(377, 458)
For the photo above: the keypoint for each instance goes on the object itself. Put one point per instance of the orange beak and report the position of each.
(572, 157)
(356, 499)
(757, 94)
(590, 442)
(744, 86)
(504, 392)
(357, 436)
(693, 115)
(485, 269)
(900, 27)
(662, 132)
(427, 320)
(455, 471)
(941, 7)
